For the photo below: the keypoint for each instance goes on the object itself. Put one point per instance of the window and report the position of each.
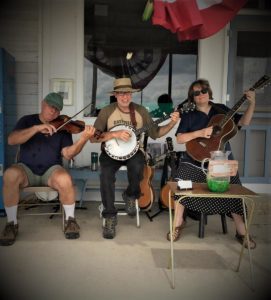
(116, 27)
(250, 59)
(183, 72)
(174, 78)
(252, 62)
(258, 4)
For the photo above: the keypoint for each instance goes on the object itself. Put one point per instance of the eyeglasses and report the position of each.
(197, 93)
(123, 93)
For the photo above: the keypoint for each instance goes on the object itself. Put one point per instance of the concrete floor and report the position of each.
(42, 264)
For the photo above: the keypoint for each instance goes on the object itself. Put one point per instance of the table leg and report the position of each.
(247, 220)
(171, 241)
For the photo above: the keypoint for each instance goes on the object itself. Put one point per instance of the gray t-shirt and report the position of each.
(111, 116)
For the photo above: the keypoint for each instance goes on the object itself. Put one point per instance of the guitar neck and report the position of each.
(233, 111)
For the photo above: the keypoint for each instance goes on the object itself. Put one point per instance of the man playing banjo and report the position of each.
(121, 146)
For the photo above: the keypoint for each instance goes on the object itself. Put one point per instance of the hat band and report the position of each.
(122, 87)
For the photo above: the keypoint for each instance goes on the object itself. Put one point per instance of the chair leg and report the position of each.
(201, 225)
(137, 214)
(63, 216)
(224, 223)
(56, 208)
(120, 212)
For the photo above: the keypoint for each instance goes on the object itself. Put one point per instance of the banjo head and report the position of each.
(119, 149)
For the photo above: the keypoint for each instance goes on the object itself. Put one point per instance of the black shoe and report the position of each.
(109, 230)
(71, 229)
(130, 206)
(9, 234)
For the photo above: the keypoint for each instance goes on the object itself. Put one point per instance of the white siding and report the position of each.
(19, 35)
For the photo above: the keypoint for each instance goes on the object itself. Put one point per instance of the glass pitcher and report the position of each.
(218, 172)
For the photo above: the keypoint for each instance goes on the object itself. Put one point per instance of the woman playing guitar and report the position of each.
(194, 125)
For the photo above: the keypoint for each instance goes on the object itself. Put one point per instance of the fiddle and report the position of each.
(64, 122)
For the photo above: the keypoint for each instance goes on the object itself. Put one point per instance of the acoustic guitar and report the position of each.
(147, 192)
(171, 156)
(224, 128)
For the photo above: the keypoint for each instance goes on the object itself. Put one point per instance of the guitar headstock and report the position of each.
(186, 107)
(261, 83)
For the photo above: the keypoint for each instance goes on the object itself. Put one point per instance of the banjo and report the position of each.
(121, 150)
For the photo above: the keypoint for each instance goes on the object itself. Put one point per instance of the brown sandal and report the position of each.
(240, 238)
(176, 234)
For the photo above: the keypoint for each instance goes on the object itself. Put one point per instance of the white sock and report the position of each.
(12, 213)
(69, 210)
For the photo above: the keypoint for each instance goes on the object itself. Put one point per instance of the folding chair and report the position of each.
(121, 210)
(56, 206)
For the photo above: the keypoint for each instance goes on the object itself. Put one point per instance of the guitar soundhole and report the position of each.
(216, 130)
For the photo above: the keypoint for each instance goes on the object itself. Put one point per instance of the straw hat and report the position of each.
(123, 85)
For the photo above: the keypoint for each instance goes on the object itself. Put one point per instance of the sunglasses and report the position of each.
(197, 93)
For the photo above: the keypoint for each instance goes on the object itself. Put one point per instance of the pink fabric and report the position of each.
(195, 19)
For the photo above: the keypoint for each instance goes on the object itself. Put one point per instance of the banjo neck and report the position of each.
(186, 107)
(148, 126)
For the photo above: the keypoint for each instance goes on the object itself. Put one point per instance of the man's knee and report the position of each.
(136, 172)
(13, 175)
(61, 179)
(107, 177)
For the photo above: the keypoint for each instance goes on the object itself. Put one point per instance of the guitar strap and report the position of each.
(134, 123)
(132, 114)
(145, 142)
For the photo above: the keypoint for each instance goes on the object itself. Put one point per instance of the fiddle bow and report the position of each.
(69, 119)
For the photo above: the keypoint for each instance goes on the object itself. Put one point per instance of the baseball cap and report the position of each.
(54, 99)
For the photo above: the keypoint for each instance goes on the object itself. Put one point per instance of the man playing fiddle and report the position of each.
(42, 148)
